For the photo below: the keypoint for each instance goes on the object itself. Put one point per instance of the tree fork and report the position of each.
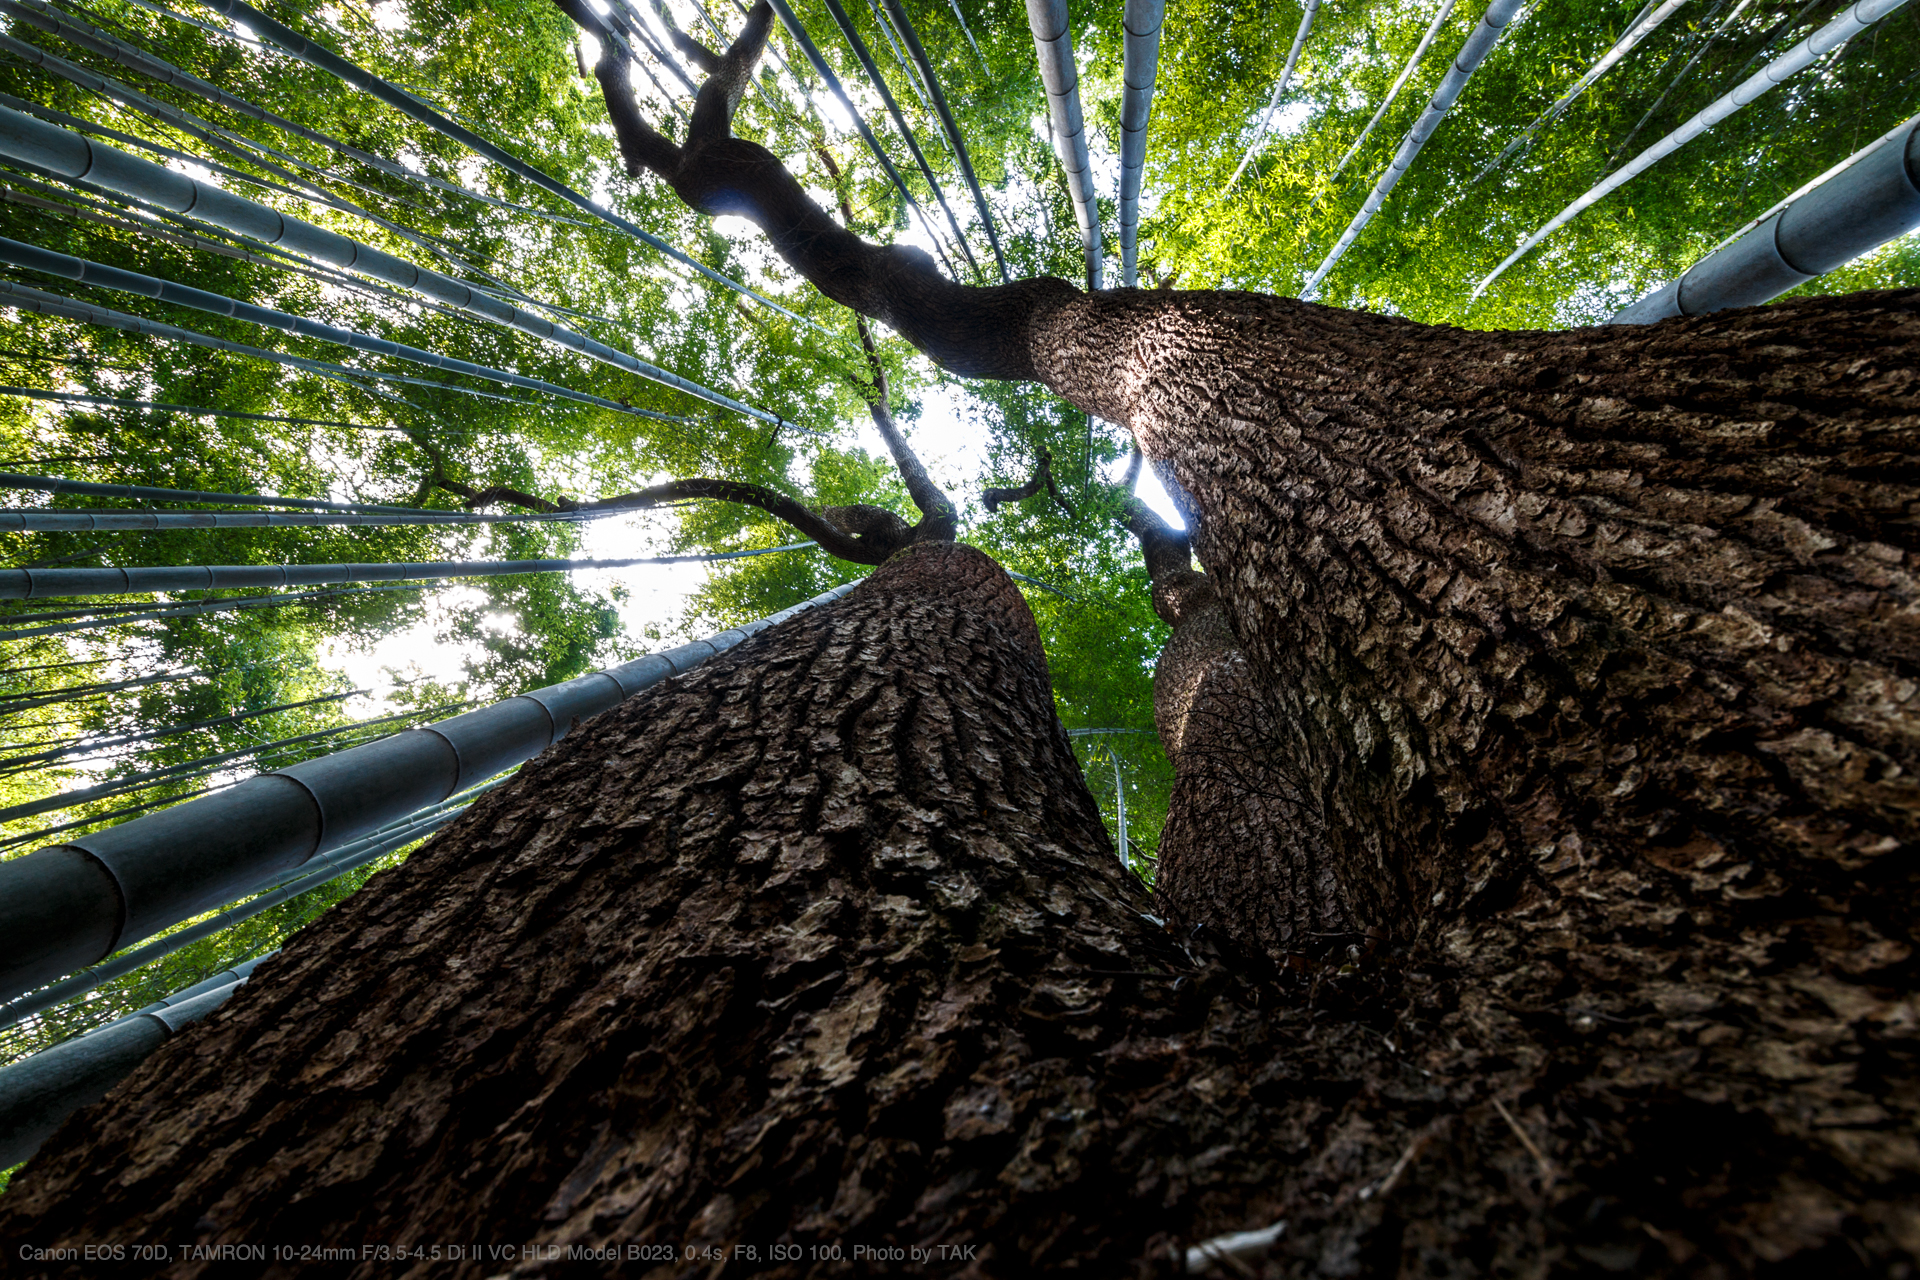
(822, 943)
(1598, 651)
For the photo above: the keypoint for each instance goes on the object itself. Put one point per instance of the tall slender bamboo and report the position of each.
(879, 82)
(121, 521)
(324, 871)
(811, 51)
(906, 65)
(92, 746)
(1639, 29)
(152, 493)
(1703, 43)
(69, 905)
(101, 276)
(42, 302)
(75, 397)
(967, 31)
(1140, 63)
(284, 182)
(1279, 91)
(1905, 126)
(1861, 203)
(1053, 46)
(1479, 43)
(1851, 22)
(911, 38)
(27, 702)
(52, 19)
(71, 156)
(193, 768)
(31, 584)
(1406, 73)
(298, 46)
(169, 613)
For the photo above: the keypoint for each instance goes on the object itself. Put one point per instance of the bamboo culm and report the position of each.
(1479, 43)
(1140, 62)
(99, 276)
(1406, 73)
(189, 768)
(1851, 22)
(43, 302)
(150, 493)
(1642, 27)
(911, 39)
(1870, 198)
(1279, 91)
(298, 46)
(819, 63)
(68, 905)
(74, 157)
(58, 22)
(75, 397)
(874, 77)
(32, 584)
(264, 897)
(1053, 46)
(90, 746)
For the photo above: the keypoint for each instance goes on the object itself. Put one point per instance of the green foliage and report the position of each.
(1441, 231)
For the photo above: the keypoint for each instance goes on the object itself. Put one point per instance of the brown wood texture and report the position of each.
(822, 943)
(1243, 855)
(1597, 650)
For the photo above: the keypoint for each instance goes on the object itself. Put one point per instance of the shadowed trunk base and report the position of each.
(821, 950)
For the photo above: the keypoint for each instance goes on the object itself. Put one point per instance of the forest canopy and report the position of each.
(1242, 189)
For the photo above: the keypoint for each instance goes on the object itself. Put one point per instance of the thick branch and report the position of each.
(1042, 478)
(494, 495)
(1178, 589)
(973, 331)
(860, 533)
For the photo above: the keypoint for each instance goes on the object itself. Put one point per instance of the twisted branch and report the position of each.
(860, 533)
(976, 331)
(1042, 478)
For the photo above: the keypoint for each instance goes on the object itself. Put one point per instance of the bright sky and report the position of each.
(948, 445)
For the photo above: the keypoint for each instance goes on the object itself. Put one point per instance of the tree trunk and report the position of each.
(1593, 655)
(1598, 650)
(1243, 855)
(820, 945)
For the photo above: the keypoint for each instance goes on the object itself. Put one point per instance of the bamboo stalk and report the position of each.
(1855, 19)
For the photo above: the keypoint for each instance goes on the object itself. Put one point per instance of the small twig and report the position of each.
(1547, 1173)
(1392, 1179)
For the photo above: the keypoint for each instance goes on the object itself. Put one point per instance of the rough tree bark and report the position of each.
(1595, 652)
(1240, 853)
(821, 944)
